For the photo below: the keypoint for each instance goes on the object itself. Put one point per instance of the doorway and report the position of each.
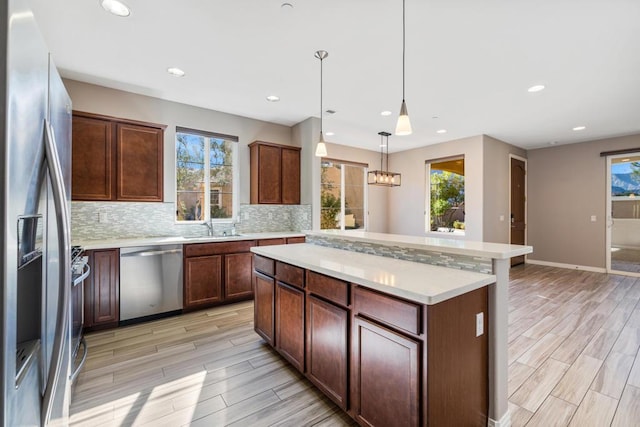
(623, 214)
(518, 204)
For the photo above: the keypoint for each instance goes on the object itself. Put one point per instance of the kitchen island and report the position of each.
(490, 258)
(392, 342)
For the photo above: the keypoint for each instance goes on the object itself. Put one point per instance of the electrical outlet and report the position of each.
(479, 324)
(593, 218)
(270, 215)
(501, 218)
(102, 218)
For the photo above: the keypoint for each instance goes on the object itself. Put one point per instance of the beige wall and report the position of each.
(407, 202)
(497, 189)
(102, 100)
(567, 184)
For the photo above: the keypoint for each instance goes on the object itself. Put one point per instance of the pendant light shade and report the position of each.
(404, 125)
(321, 148)
(384, 177)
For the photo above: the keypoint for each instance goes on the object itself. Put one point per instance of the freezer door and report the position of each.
(22, 181)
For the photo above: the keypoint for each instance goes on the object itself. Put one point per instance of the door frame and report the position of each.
(526, 201)
(609, 219)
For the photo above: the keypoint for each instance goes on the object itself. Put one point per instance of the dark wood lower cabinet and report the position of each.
(385, 360)
(237, 276)
(263, 306)
(203, 280)
(328, 348)
(102, 289)
(385, 376)
(289, 313)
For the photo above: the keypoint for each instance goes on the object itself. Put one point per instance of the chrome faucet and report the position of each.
(209, 228)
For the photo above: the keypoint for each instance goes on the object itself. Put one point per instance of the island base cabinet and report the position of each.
(263, 306)
(327, 348)
(290, 324)
(385, 376)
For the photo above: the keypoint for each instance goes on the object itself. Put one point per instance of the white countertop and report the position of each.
(437, 244)
(176, 240)
(423, 283)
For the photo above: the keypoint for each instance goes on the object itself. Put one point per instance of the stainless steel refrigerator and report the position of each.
(35, 163)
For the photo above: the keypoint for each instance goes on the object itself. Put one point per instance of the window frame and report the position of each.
(235, 173)
(427, 204)
(365, 207)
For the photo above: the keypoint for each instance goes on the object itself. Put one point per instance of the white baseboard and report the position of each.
(568, 266)
(505, 421)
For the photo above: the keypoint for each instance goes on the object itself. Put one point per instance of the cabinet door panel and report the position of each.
(386, 376)
(238, 270)
(139, 171)
(269, 174)
(93, 159)
(203, 280)
(327, 348)
(290, 176)
(263, 306)
(290, 324)
(105, 287)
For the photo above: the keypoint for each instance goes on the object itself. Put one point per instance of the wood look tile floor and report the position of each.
(573, 361)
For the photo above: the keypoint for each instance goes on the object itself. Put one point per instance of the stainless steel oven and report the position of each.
(79, 272)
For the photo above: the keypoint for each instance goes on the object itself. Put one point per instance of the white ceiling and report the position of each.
(468, 63)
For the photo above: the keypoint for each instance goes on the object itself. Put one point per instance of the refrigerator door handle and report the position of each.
(64, 245)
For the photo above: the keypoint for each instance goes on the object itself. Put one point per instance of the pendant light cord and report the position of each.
(388, 167)
(321, 94)
(403, 47)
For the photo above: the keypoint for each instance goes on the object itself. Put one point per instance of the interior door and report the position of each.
(623, 215)
(518, 224)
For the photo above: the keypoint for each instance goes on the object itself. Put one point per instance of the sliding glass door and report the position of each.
(623, 216)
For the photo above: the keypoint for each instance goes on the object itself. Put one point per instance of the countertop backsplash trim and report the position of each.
(461, 262)
(132, 220)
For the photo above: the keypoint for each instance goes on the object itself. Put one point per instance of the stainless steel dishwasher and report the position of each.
(150, 281)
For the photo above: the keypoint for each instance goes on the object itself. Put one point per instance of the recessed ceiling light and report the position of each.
(115, 7)
(177, 72)
(579, 128)
(536, 88)
(273, 98)
(441, 131)
(386, 113)
(330, 111)
(330, 133)
(286, 6)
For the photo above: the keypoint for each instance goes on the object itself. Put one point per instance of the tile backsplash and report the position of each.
(461, 262)
(130, 219)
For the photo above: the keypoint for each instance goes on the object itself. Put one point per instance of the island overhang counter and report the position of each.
(392, 342)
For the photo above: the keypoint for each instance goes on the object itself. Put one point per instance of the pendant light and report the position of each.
(321, 148)
(404, 125)
(384, 177)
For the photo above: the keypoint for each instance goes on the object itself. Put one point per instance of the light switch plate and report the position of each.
(593, 218)
(501, 218)
(479, 324)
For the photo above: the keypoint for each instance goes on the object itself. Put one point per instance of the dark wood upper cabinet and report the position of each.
(139, 171)
(93, 154)
(290, 176)
(275, 173)
(116, 159)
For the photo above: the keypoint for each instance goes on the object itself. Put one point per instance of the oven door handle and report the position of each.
(76, 371)
(83, 276)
